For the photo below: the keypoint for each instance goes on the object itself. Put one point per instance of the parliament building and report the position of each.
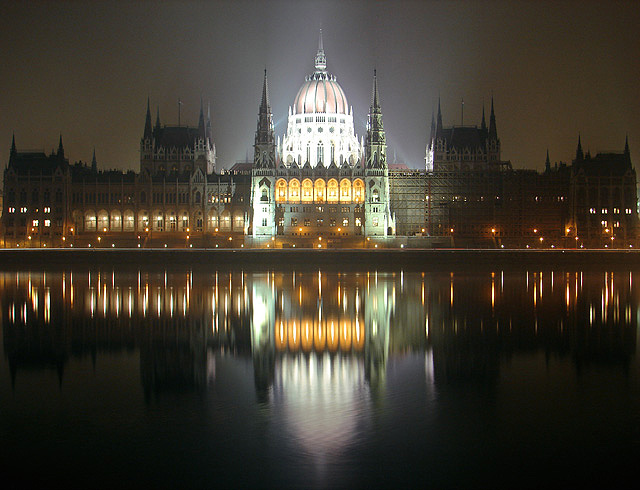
(319, 186)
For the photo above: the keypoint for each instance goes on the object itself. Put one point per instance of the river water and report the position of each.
(183, 378)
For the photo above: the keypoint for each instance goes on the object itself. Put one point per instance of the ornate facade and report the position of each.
(320, 183)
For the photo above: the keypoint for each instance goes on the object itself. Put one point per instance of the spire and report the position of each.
(264, 103)
(439, 121)
(493, 131)
(147, 122)
(375, 96)
(433, 128)
(627, 154)
(547, 163)
(483, 125)
(321, 59)
(201, 127)
(13, 145)
(94, 163)
(264, 148)
(375, 144)
(157, 126)
(209, 130)
(60, 148)
(579, 154)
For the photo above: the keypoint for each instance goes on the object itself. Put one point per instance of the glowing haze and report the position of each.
(85, 69)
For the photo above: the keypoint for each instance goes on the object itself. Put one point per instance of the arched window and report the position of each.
(345, 190)
(332, 190)
(281, 191)
(320, 160)
(358, 191)
(197, 197)
(307, 190)
(319, 191)
(294, 190)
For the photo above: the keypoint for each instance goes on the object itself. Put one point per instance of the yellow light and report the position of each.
(64, 239)
(146, 229)
(568, 230)
(541, 239)
(535, 230)
(451, 230)
(339, 229)
(229, 238)
(187, 230)
(71, 229)
(104, 230)
(493, 230)
(216, 230)
(187, 237)
(319, 238)
(299, 229)
(319, 245)
(99, 238)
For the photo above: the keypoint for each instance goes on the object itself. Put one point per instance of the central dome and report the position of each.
(320, 94)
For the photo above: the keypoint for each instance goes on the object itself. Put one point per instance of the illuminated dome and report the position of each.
(320, 127)
(320, 93)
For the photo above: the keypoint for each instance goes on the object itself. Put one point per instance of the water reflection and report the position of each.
(321, 345)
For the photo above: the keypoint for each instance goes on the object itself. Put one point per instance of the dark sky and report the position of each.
(555, 69)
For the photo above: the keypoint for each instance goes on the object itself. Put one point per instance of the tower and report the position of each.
(264, 169)
(378, 220)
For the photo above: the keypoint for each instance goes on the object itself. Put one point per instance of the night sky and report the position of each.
(555, 69)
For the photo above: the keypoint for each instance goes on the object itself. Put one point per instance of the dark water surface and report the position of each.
(186, 378)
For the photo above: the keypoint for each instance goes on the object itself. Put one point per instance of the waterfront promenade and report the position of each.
(339, 259)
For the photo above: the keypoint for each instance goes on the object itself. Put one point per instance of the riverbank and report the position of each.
(338, 259)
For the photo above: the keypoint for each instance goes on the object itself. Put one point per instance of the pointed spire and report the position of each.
(321, 59)
(264, 103)
(493, 130)
(94, 163)
(483, 124)
(547, 163)
(157, 117)
(60, 148)
(439, 121)
(626, 146)
(201, 127)
(432, 135)
(209, 130)
(13, 144)
(579, 153)
(147, 122)
(375, 96)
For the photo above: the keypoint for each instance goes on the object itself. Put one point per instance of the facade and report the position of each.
(320, 183)
(321, 186)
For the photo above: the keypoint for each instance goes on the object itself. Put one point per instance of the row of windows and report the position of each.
(606, 211)
(320, 119)
(35, 196)
(320, 209)
(24, 209)
(320, 222)
(319, 191)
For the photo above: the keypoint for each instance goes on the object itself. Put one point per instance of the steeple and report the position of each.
(147, 123)
(375, 144)
(432, 134)
(13, 145)
(321, 60)
(547, 163)
(579, 153)
(627, 154)
(493, 131)
(209, 130)
(264, 148)
(439, 121)
(94, 163)
(483, 124)
(60, 148)
(201, 127)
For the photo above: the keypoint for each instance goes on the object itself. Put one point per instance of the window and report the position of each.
(345, 221)
(12, 210)
(294, 221)
(375, 221)
(627, 211)
(592, 210)
(332, 222)
(47, 210)
(320, 221)
(358, 222)
(307, 222)
(604, 210)
(47, 222)
(264, 221)
(616, 211)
